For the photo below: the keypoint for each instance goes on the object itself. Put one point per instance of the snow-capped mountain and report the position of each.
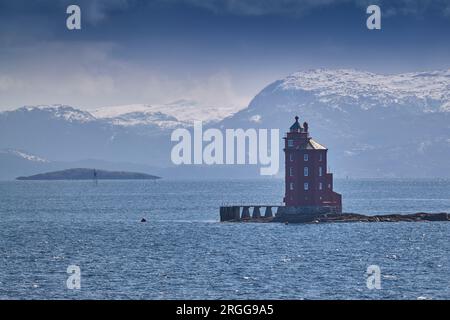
(165, 116)
(324, 94)
(427, 91)
(135, 133)
(374, 125)
(171, 115)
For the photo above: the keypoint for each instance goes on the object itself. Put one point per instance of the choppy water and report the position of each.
(183, 252)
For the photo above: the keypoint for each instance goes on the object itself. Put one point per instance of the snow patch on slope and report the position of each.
(62, 111)
(182, 112)
(335, 87)
(24, 155)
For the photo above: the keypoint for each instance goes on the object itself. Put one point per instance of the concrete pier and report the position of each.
(256, 213)
(245, 213)
(242, 213)
(268, 212)
(252, 213)
(230, 213)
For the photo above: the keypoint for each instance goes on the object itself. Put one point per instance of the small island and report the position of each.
(90, 174)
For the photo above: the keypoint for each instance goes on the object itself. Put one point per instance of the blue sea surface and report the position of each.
(184, 252)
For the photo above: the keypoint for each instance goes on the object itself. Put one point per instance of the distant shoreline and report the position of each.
(88, 174)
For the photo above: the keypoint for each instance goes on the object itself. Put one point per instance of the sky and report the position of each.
(216, 52)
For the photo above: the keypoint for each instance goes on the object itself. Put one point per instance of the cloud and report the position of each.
(97, 11)
(447, 11)
(93, 11)
(300, 7)
(260, 7)
(217, 89)
(40, 62)
(87, 75)
(213, 89)
(8, 83)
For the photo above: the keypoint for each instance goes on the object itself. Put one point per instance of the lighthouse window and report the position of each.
(320, 186)
(291, 157)
(305, 171)
(305, 157)
(291, 186)
(320, 157)
(291, 171)
(320, 171)
(306, 186)
(290, 143)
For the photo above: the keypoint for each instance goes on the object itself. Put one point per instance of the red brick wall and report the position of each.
(316, 158)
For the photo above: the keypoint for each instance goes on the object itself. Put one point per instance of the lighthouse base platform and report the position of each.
(304, 213)
(263, 213)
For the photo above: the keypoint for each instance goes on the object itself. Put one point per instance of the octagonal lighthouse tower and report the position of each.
(309, 187)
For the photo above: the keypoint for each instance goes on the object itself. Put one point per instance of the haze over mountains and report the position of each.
(374, 125)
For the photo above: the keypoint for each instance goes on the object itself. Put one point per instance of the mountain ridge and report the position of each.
(374, 125)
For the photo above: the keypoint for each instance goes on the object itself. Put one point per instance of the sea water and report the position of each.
(184, 252)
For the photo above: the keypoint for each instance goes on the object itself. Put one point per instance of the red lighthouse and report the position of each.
(309, 187)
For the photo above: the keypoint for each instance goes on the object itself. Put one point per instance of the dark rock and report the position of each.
(353, 217)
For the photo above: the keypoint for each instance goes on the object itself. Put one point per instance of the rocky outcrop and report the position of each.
(354, 217)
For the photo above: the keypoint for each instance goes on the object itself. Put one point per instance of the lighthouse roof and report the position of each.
(312, 145)
(296, 126)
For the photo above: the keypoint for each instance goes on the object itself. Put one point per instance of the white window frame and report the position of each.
(320, 186)
(305, 171)
(291, 157)
(305, 157)
(290, 143)
(291, 171)
(291, 186)
(320, 171)
(306, 186)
